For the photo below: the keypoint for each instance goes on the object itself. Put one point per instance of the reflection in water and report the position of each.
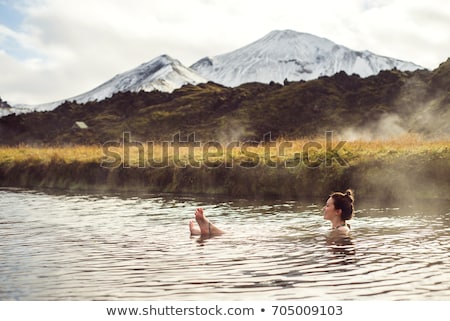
(124, 247)
(340, 243)
(203, 239)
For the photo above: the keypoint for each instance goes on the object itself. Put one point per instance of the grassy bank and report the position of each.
(387, 170)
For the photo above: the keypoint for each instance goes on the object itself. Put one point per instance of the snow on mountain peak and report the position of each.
(279, 55)
(294, 38)
(162, 73)
(287, 54)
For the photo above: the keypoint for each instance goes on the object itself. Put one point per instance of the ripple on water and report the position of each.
(99, 247)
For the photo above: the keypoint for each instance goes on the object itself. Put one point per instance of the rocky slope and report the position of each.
(391, 103)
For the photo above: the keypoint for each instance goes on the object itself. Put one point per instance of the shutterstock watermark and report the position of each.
(187, 151)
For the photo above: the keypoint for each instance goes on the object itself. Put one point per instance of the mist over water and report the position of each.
(138, 247)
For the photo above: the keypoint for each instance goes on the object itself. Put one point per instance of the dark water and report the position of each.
(118, 247)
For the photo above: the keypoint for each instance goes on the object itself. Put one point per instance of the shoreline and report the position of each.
(386, 179)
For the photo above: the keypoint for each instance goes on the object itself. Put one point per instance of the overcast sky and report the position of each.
(56, 49)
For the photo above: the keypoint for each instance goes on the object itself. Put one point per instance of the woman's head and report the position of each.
(340, 203)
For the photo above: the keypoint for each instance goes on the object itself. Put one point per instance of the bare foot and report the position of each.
(206, 227)
(193, 229)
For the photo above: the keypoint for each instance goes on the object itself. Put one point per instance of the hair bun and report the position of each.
(349, 193)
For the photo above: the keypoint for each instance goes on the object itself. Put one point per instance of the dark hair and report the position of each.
(344, 202)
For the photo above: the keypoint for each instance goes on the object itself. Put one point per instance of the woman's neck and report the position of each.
(336, 223)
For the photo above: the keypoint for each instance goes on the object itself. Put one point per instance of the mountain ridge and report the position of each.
(280, 55)
(389, 104)
(162, 73)
(293, 56)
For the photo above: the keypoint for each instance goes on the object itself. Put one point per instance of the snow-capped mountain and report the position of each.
(277, 56)
(293, 56)
(162, 73)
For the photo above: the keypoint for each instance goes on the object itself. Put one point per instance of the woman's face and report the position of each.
(328, 210)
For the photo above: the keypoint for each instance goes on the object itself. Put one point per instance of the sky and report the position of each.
(56, 49)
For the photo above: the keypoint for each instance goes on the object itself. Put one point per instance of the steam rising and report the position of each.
(417, 110)
(419, 114)
(388, 127)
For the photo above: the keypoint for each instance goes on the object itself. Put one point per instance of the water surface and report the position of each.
(125, 247)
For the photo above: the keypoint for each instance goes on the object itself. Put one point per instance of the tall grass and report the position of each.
(45, 155)
(279, 152)
(407, 167)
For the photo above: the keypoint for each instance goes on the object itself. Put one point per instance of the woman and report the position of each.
(338, 209)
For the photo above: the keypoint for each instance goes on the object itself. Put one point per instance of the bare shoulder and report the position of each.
(343, 229)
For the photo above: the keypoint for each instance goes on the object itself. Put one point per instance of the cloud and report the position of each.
(409, 30)
(57, 49)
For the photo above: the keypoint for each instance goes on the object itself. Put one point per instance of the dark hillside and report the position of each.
(409, 102)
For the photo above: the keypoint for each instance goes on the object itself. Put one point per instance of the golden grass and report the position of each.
(279, 151)
(388, 168)
(70, 154)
